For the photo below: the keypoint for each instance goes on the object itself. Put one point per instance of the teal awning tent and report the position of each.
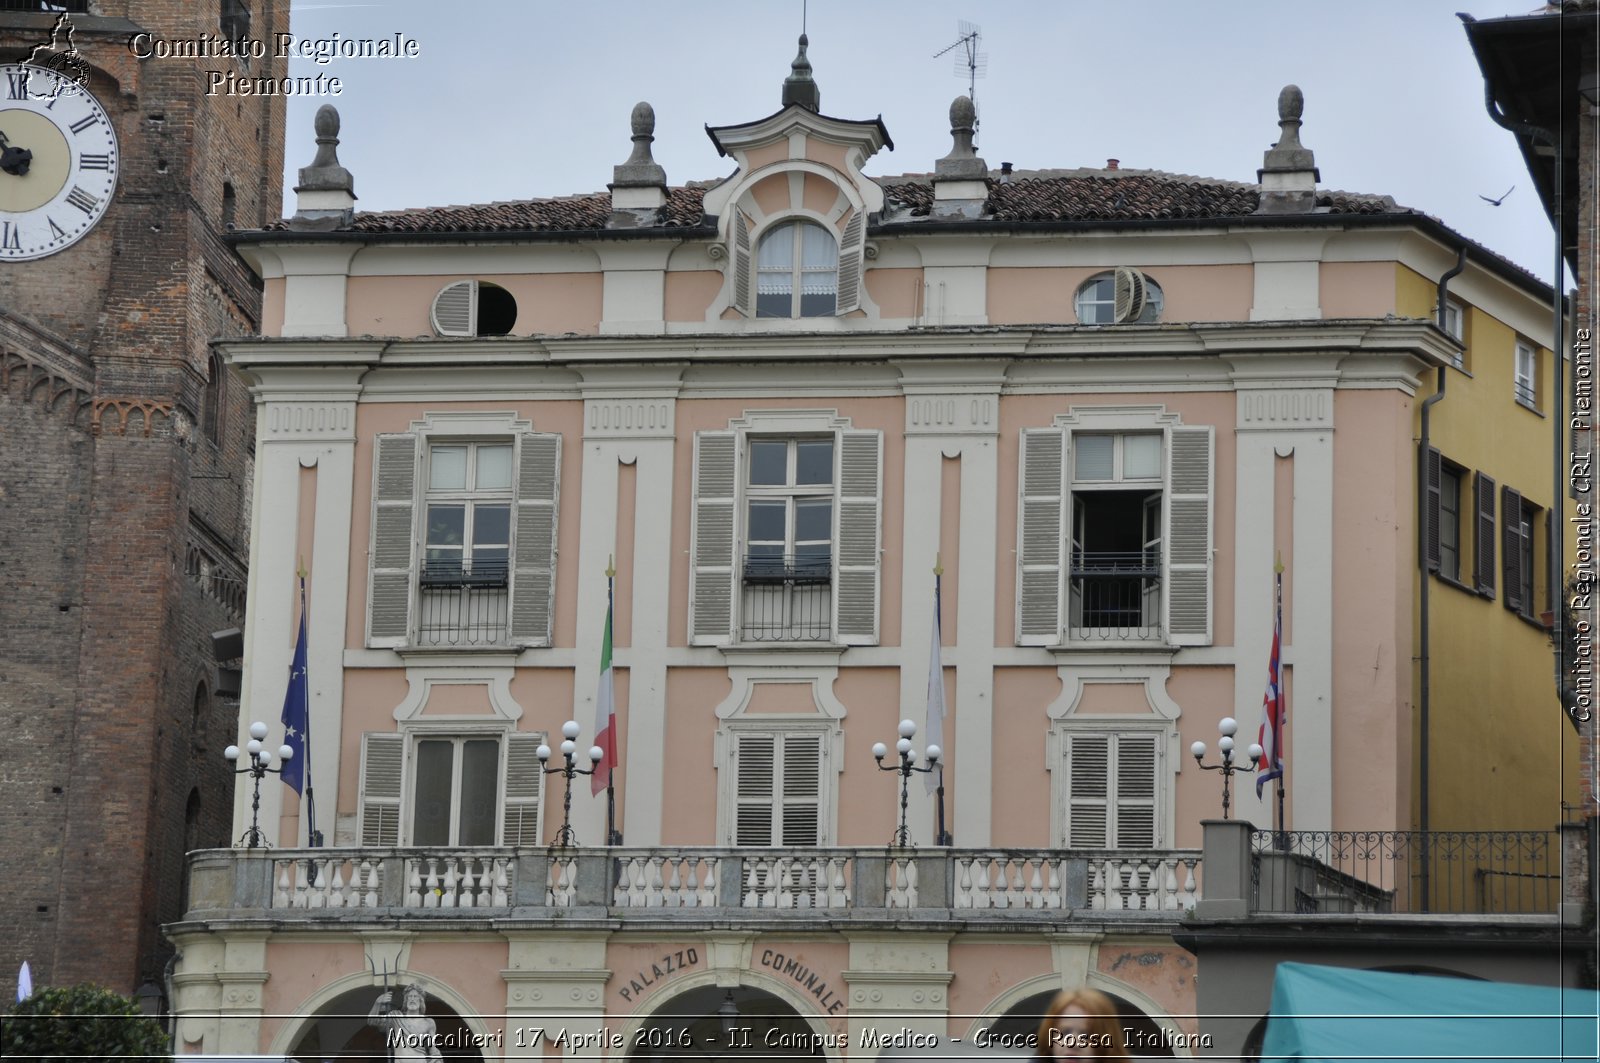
(1338, 1013)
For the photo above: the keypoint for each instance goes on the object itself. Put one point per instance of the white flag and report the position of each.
(24, 983)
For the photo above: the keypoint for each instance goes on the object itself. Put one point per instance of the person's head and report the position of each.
(413, 1001)
(1081, 1024)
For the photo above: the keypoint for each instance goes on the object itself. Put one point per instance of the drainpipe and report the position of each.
(1558, 554)
(1424, 666)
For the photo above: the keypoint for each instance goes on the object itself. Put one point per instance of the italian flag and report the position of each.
(605, 712)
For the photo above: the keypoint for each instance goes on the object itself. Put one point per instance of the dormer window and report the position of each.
(797, 272)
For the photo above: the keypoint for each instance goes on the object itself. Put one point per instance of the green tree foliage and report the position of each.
(80, 1022)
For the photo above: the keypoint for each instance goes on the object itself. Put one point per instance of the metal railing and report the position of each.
(459, 608)
(740, 882)
(1115, 595)
(787, 598)
(1457, 872)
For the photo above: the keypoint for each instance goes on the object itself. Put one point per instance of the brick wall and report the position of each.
(125, 534)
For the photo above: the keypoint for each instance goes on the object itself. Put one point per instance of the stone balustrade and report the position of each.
(664, 882)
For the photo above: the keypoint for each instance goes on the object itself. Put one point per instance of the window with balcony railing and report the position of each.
(1114, 571)
(786, 536)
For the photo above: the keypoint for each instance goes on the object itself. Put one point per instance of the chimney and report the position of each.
(1288, 173)
(1111, 164)
(639, 185)
(325, 198)
(960, 179)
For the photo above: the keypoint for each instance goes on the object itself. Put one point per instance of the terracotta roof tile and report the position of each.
(1030, 196)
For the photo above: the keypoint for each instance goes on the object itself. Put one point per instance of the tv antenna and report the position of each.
(970, 62)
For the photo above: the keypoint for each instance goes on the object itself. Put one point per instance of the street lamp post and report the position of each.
(259, 766)
(907, 765)
(569, 748)
(1229, 727)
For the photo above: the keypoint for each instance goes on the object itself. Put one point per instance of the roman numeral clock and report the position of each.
(58, 162)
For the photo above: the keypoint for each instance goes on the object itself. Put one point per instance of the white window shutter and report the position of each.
(1189, 517)
(740, 263)
(524, 780)
(1135, 811)
(1128, 294)
(382, 758)
(802, 790)
(855, 599)
(850, 262)
(1041, 537)
(714, 567)
(390, 582)
(1088, 791)
(534, 563)
(755, 763)
(455, 309)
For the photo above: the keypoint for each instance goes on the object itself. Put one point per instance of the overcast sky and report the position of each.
(513, 100)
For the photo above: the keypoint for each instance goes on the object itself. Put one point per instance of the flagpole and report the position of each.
(941, 835)
(1280, 838)
(313, 836)
(612, 838)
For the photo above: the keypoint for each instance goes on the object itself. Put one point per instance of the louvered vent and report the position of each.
(455, 309)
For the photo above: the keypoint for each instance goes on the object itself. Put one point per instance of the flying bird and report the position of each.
(1502, 199)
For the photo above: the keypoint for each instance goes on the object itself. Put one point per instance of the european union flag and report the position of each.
(295, 715)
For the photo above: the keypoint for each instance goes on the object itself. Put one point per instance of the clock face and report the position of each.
(58, 162)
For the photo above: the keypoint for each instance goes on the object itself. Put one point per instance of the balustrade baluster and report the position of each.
(708, 885)
(674, 895)
(282, 896)
(980, 888)
(369, 876)
(414, 893)
(654, 883)
(838, 895)
(1097, 884)
(964, 883)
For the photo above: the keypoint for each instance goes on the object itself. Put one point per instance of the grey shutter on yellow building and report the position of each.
(850, 263)
(533, 569)
(390, 581)
(1511, 548)
(856, 571)
(1040, 539)
(382, 759)
(524, 775)
(1484, 534)
(1432, 492)
(713, 568)
(1188, 575)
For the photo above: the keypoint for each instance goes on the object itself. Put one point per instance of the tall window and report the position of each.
(797, 272)
(788, 567)
(1525, 382)
(1455, 323)
(456, 794)
(1115, 576)
(466, 545)
(211, 402)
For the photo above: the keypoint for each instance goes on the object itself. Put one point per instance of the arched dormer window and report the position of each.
(797, 271)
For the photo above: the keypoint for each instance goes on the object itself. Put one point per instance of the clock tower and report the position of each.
(125, 461)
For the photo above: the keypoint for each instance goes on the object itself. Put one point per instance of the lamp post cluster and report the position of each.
(1225, 745)
(569, 749)
(259, 766)
(906, 765)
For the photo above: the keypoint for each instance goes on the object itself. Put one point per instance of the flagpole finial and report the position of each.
(1277, 564)
(938, 565)
(611, 568)
(300, 568)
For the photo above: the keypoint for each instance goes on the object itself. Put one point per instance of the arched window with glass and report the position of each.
(797, 271)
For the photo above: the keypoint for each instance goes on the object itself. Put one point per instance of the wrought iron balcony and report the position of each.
(787, 598)
(1115, 594)
(1407, 872)
(463, 604)
(726, 884)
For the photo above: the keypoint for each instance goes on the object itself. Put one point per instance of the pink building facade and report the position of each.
(1103, 405)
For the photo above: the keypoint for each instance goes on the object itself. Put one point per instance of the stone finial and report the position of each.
(798, 88)
(638, 186)
(963, 162)
(961, 179)
(1288, 173)
(325, 197)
